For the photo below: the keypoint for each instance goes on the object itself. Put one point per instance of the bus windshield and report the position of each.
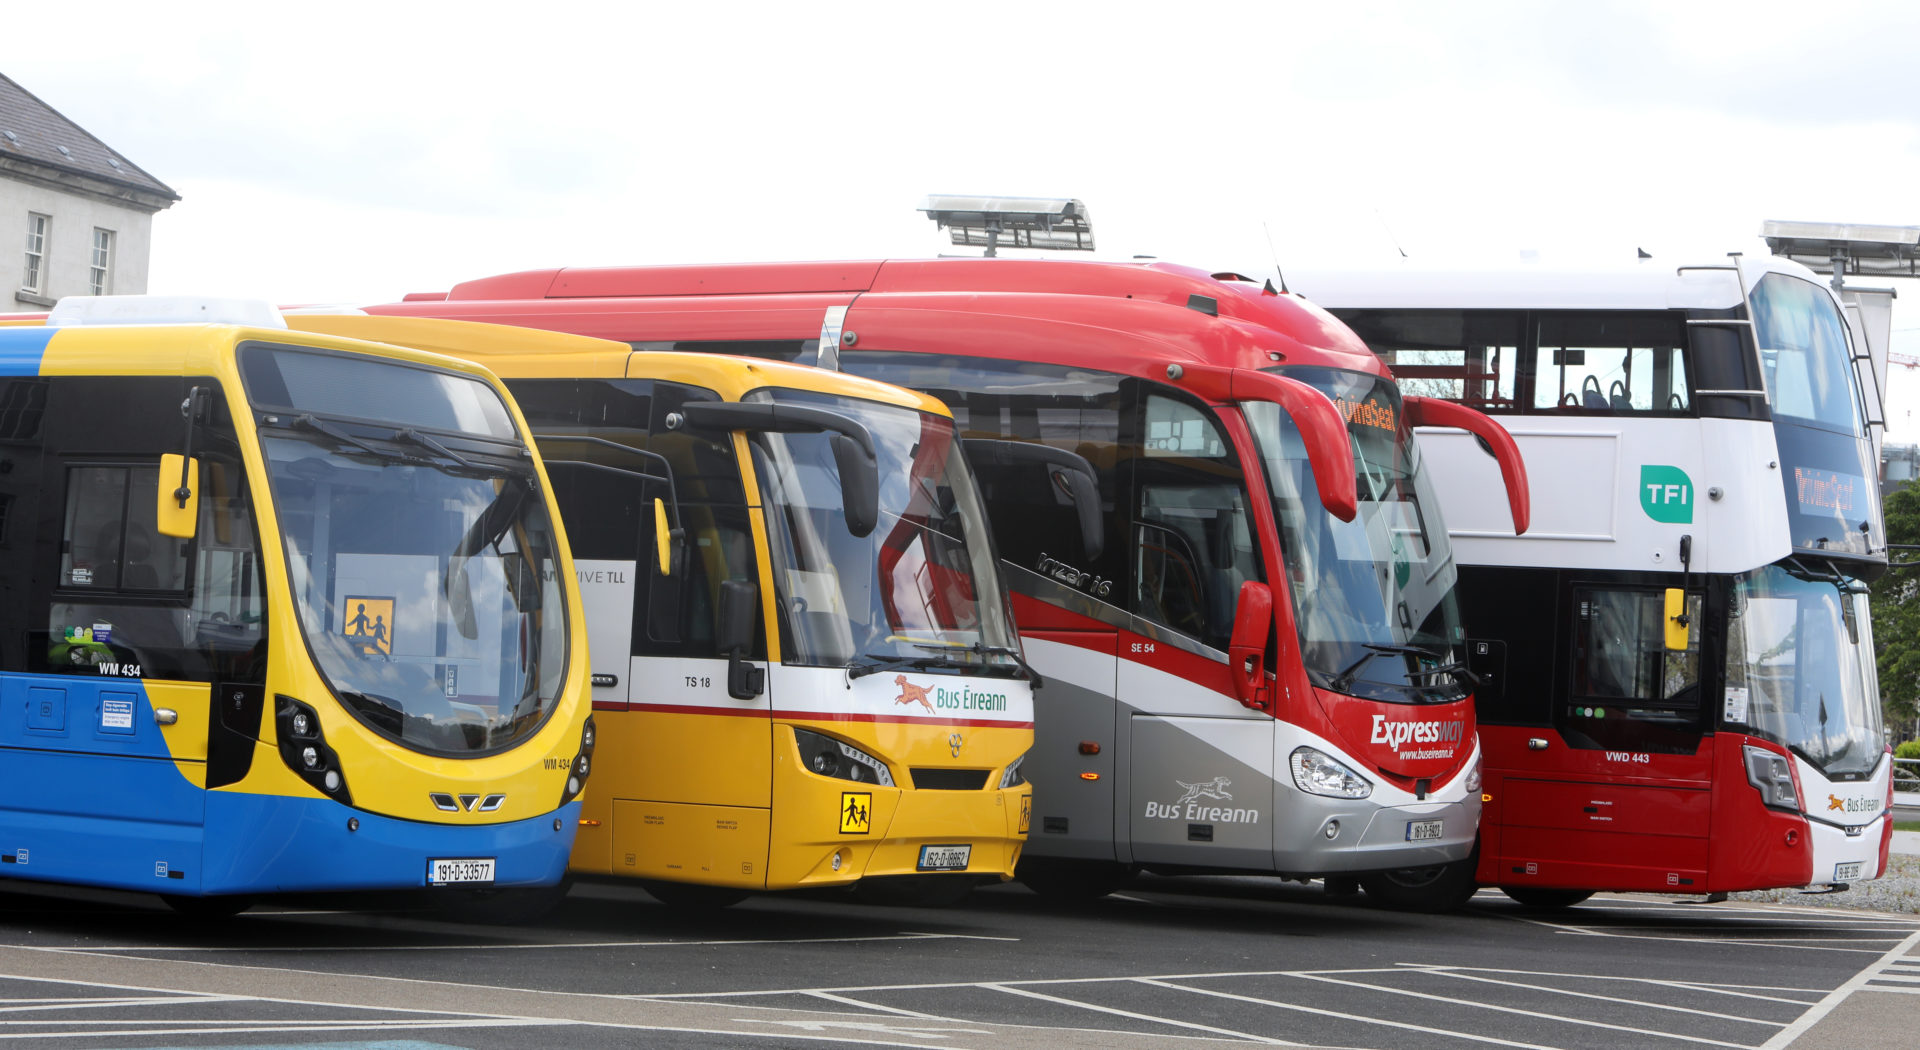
(922, 589)
(424, 566)
(1800, 669)
(1373, 597)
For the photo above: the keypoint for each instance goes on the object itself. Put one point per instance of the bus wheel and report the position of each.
(914, 891)
(1442, 887)
(1536, 897)
(690, 895)
(1070, 880)
(223, 906)
(500, 907)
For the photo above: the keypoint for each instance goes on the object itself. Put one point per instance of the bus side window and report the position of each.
(1193, 541)
(1074, 409)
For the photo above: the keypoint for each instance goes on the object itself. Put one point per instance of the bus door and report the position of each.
(1200, 765)
(685, 776)
(1619, 793)
(1068, 601)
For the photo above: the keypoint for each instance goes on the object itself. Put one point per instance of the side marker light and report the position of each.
(1486, 798)
(1089, 776)
(586, 823)
(1089, 747)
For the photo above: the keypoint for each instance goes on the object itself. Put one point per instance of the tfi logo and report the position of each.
(1666, 494)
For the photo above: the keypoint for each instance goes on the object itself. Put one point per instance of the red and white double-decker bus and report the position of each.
(1679, 692)
(1225, 551)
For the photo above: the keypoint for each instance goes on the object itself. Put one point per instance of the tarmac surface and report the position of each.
(1197, 962)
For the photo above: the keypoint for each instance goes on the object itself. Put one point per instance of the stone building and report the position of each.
(84, 213)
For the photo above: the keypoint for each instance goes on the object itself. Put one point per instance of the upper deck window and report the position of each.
(1804, 354)
(1613, 362)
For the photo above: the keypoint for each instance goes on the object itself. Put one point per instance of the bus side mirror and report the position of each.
(739, 607)
(668, 543)
(859, 485)
(1247, 649)
(1677, 620)
(177, 503)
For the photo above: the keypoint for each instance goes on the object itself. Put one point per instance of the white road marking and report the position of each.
(1825, 1006)
(1117, 1012)
(864, 1005)
(1536, 1014)
(1588, 931)
(1447, 971)
(1744, 991)
(866, 1026)
(1491, 1040)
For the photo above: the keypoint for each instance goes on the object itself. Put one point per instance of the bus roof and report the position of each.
(1646, 284)
(514, 352)
(1179, 313)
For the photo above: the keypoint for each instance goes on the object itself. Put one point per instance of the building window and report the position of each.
(99, 276)
(35, 276)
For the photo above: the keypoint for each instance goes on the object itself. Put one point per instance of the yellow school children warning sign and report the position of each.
(856, 812)
(367, 621)
(1026, 813)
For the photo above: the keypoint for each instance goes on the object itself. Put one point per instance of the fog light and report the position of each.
(836, 861)
(310, 757)
(333, 780)
(1333, 829)
(1793, 837)
(573, 785)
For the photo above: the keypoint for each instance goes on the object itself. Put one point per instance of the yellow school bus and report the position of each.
(805, 669)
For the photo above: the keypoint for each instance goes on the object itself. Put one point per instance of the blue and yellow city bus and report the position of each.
(282, 612)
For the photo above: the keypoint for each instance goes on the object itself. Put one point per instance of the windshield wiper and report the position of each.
(1347, 674)
(983, 649)
(878, 664)
(414, 436)
(321, 426)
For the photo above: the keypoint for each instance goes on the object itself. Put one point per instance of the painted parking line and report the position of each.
(1839, 995)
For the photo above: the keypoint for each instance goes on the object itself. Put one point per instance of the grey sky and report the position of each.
(360, 151)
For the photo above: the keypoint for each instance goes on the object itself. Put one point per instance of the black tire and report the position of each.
(1070, 880)
(914, 891)
(223, 906)
(692, 895)
(1442, 887)
(511, 906)
(1539, 897)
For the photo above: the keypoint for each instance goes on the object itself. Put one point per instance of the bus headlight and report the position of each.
(832, 758)
(1473, 777)
(1317, 773)
(582, 765)
(303, 747)
(1772, 775)
(1012, 777)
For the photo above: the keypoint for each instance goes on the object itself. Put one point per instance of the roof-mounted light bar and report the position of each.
(74, 310)
(1847, 248)
(1059, 224)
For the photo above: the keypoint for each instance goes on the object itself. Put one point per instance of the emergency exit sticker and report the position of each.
(116, 715)
(1666, 494)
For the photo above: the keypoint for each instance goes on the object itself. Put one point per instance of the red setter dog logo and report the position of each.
(910, 693)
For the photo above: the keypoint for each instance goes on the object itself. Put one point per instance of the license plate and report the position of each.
(463, 869)
(1423, 830)
(945, 858)
(1846, 872)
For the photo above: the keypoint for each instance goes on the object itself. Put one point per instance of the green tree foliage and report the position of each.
(1896, 617)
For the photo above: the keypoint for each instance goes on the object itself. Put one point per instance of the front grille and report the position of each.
(949, 779)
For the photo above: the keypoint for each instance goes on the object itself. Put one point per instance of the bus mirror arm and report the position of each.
(179, 510)
(739, 606)
(1247, 649)
(669, 535)
(1322, 429)
(1068, 469)
(1433, 412)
